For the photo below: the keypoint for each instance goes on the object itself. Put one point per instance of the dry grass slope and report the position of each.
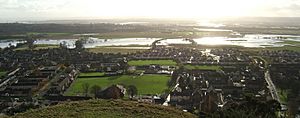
(106, 109)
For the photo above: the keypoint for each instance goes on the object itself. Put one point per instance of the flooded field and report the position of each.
(70, 43)
(250, 40)
(8, 43)
(95, 42)
(253, 40)
(173, 41)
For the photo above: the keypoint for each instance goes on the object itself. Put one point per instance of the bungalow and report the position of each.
(112, 92)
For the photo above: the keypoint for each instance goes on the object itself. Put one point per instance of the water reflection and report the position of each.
(70, 43)
(8, 43)
(252, 40)
(173, 41)
(94, 42)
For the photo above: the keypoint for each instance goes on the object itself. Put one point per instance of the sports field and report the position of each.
(146, 84)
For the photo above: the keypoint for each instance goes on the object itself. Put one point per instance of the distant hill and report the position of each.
(105, 109)
(20, 28)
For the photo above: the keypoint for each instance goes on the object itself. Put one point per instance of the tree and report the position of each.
(132, 90)
(79, 44)
(63, 45)
(95, 89)
(30, 41)
(85, 87)
(273, 106)
(251, 107)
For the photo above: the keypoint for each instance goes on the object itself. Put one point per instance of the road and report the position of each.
(268, 79)
(11, 77)
(271, 86)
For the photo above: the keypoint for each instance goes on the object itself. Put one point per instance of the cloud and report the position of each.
(184, 8)
(32, 5)
(295, 7)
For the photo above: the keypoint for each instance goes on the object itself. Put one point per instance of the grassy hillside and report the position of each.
(105, 109)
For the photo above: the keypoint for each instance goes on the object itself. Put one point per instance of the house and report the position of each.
(112, 92)
(211, 100)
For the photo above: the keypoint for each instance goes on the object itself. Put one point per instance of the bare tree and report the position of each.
(95, 89)
(30, 40)
(86, 87)
(132, 90)
(79, 44)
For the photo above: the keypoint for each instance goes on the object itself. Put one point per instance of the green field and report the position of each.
(2, 73)
(296, 43)
(45, 46)
(114, 50)
(197, 67)
(110, 35)
(38, 47)
(157, 34)
(5, 37)
(149, 62)
(286, 47)
(47, 34)
(91, 74)
(146, 84)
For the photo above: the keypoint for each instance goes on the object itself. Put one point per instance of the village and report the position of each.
(199, 81)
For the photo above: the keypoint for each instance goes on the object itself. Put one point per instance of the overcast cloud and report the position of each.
(57, 9)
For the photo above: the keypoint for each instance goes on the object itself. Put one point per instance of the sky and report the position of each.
(68, 9)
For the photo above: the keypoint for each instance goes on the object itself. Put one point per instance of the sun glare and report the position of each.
(171, 8)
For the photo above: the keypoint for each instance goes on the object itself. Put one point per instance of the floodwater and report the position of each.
(129, 23)
(95, 42)
(213, 30)
(251, 40)
(12, 42)
(173, 41)
(70, 43)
